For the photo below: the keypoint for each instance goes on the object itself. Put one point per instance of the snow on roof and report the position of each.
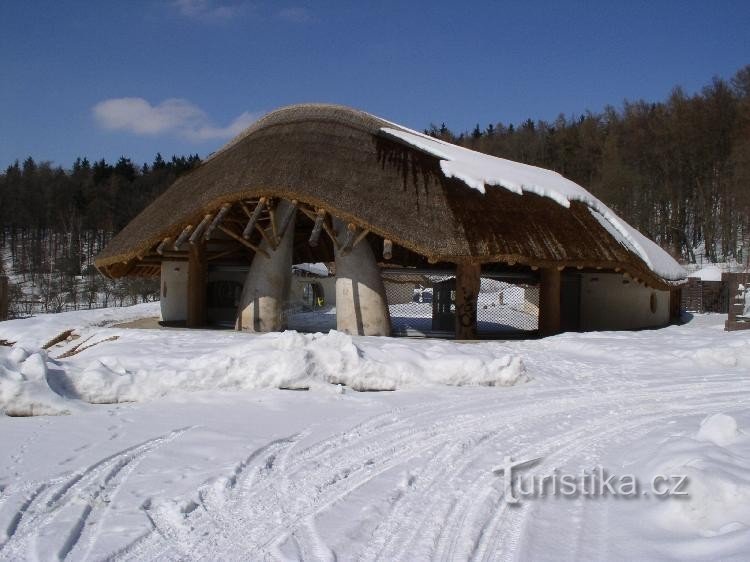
(479, 170)
(708, 273)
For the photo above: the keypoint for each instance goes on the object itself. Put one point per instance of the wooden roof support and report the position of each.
(271, 242)
(244, 208)
(346, 247)
(162, 245)
(223, 254)
(217, 220)
(388, 249)
(287, 218)
(196, 289)
(195, 236)
(361, 236)
(314, 216)
(320, 218)
(549, 301)
(253, 218)
(183, 236)
(274, 227)
(468, 280)
(242, 241)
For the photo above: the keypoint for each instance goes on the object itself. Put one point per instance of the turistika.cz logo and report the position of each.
(594, 482)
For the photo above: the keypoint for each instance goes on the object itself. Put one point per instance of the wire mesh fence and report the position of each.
(422, 303)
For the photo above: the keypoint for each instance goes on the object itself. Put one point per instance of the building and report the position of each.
(374, 200)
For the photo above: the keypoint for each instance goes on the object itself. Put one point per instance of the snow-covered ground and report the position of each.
(200, 454)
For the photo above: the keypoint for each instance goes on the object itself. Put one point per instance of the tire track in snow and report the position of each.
(274, 500)
(82, 497)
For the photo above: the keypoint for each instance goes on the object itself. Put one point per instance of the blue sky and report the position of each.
(133, 77)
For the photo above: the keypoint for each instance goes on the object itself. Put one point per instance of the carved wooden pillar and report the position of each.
(549, 302)
(468, 280)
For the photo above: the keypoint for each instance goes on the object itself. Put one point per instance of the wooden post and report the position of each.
(4, 298)
(196, 289)
(549, 302)
(468, 279)
(675, 301)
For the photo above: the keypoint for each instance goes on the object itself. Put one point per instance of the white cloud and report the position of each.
(205, 9)
(173, 116)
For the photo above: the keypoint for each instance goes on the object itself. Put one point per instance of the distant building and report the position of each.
(379, 204)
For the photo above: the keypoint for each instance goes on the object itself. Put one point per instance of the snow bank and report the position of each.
(714, 518)
(24, 386)
(128, 365)
(289, 360)
(479, 170)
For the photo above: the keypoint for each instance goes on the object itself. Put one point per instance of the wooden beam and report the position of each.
(271, 242)
(313, 216)
(183, 237)
(351, 229)
(274, 226)
(331, 234)
(195, 236)
(196, 290)
(162, 245)
(387, 249)
(361, 236)
(253, 218)
(468, 278)
(217, 220)
(320, 218)
(244, 208)
(287, 218)
(242, 241)
(549, 301)
(223, 254)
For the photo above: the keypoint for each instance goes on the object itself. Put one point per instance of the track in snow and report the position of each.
(79, 501)
(448, 505)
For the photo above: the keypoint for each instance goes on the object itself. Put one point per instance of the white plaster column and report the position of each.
(361, 303)
(174, 281)
(268, 283)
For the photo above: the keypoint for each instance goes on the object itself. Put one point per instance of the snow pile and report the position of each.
(478, 170)
(111, 365)
(24, 386)
(719, 429)
(714, 518)
(289, 360)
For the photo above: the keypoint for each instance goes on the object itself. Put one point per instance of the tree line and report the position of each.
(55, 221)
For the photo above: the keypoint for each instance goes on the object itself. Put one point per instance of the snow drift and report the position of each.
(126, 365)
(714, 518)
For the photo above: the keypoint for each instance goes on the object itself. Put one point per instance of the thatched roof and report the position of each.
(398, 184)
